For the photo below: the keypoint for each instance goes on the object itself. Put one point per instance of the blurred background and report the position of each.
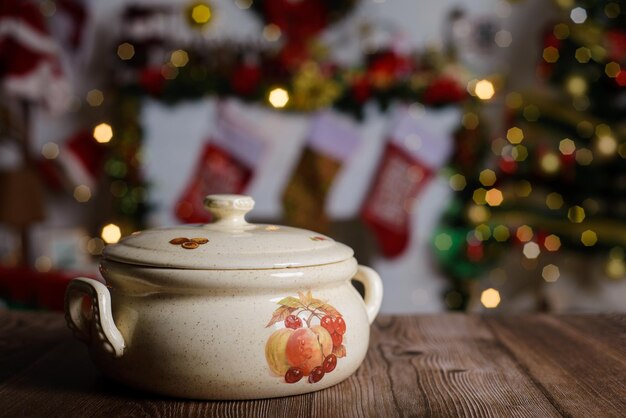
(472, 152)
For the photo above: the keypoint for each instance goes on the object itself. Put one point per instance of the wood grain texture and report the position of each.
(443, 365)
(577, 362)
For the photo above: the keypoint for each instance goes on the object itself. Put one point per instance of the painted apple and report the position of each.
(275, 351)
(308, 347)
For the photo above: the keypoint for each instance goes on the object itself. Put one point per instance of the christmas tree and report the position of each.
(556, 178)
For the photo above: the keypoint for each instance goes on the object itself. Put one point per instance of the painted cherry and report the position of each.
(340, 325)
(293, 322)
(293, 375)
(337, 339)
(329, 323)
(316, 374)
(330, 363)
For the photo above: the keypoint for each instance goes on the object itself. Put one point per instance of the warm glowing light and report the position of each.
(484, 89)
(125, 51)
(443, 242)
(583, 55)
(494, 197)
(531, 250)
(479, 196)
(501, 233)
(584, 156)
(478, 214)
(552, 243)
(588, 238)
(490, 298)
(524, 233)
(50, 150)
(103, 133)
(550, 273)
(470, 120)
(612, 69)
(95, 97)
(561, 31)
(616, 268)
(278, 97)
(487, 177)
(457, 182)
(576, 214)
(567, 146)
(179, 58)
(515, 135)
(82, 193)
(111, 233)
(606, 145)
(550, 163)
(576, 85)
(271, 32)
(201, 13)
(554, 201)
(95, 246)
(551, 54)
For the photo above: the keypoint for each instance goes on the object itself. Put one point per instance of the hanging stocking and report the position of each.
(29, 57)
(410, 159)
(332, 140)
(227, 164)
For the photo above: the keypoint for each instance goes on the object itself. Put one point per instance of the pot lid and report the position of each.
(228, 243)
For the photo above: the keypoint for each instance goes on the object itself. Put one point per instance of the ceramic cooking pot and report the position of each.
(227, 310)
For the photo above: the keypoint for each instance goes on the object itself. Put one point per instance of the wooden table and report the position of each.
(441, 365)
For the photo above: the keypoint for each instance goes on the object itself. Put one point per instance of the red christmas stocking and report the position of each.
(411, 157)
(226, 165)
(332, 140)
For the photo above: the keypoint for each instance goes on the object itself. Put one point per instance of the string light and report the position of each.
(552, 243)
(524, 233)
(82, 193)
(457, 182)
(589, 238)
(494, 197)
(515, 135)
(484, 90)
(201, 13)
(576, 214)
(443, 242)
(490, 298)
(179, 58)
(103, 133)
(95, 97)
(50, 150)
(278, 97)
(578, 15)
(612, 69)
(531, 250)
(501, 233)
(487, 177)
(551, 54)
(125, 51)
(111, 233)
(272, 32)
(567, 146)
(550, 273)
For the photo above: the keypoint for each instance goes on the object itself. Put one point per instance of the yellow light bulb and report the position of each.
(490, 298)
(278, 97)
(111, 233)
(103, 133)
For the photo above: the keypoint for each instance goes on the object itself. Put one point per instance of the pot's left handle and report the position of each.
(92, 324)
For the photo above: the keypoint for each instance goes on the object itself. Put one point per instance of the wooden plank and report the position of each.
(26, 336)
(451, 365)
(446, 365)
(580, 375)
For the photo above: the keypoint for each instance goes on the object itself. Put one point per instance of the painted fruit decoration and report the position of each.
(310, 342)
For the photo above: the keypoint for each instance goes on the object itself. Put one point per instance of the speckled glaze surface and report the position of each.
(181, 328)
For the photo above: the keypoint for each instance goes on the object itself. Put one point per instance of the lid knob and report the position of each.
(228, 210)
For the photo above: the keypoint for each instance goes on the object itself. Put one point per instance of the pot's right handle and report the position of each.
(97, 327)
(373, 290)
